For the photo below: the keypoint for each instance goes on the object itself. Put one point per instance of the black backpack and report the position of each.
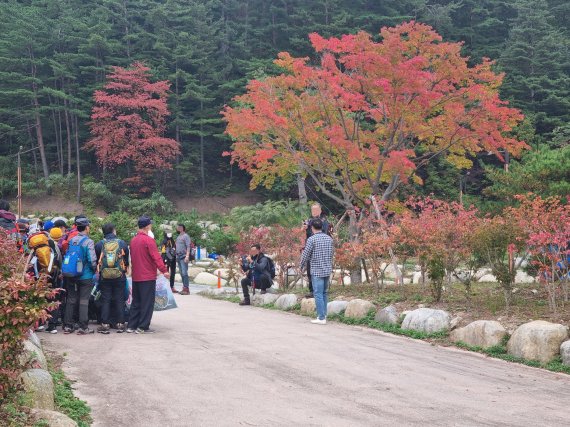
(270, 267)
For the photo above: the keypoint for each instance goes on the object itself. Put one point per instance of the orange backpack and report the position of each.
(42, 251)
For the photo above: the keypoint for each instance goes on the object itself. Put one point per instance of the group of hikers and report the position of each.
(81, 270)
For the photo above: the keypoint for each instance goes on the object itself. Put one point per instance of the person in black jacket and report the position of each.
(168, 253)
(112, 290)
(316, 213)
(256, 266)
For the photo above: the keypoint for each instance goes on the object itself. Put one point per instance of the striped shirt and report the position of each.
(319, 252)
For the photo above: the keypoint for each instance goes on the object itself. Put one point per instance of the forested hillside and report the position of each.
(55, 53)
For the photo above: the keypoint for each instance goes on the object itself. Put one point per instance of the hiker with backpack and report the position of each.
(259, 270)
(113, 256)
(79, 266)
(168, 252)
(44, 260)
(145, 260)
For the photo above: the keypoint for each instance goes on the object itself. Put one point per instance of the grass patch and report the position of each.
(500, 352)
(12, 413)
(369, 322)
(66, 402)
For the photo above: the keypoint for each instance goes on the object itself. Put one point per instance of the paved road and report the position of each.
(213, 363)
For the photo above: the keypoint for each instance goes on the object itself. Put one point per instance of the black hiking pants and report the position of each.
(265, 283)
(112, 301)
(78, 293)
(142, 306)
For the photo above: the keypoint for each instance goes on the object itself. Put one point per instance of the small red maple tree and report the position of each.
(128, 124)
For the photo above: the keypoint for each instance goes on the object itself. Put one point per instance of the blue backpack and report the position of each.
(74, 259)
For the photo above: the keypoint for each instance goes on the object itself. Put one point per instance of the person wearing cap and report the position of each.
(145, 260)
(79, 289)
(48, 225)
(168, 252)
(64, 242)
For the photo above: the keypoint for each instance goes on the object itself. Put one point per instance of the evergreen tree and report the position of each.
(536, 60)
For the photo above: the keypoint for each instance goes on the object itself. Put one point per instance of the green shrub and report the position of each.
(97, 195)
(155, 205)
(221, 242)
(286, 213)
(59, 185)
(22, 304)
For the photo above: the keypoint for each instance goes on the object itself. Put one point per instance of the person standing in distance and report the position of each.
(316, 213)
(319, 253)
(183, 248)
(145, 260)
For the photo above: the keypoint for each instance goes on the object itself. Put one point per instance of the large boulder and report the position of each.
(481, 333)
(264, 299)
(194, 271)
(427, 320)
(388, 315)
(537, 340)
(38, 385)
(523, 277)
(51, 418)
(33, 337)
(358, 309)
(204, 263)
(308, 306)
(33, 356)
(208, 279)
(565, 352)
(488, 278)
(336, 307)
(286, 301)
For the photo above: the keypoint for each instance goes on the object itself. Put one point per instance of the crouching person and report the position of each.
(257, 268)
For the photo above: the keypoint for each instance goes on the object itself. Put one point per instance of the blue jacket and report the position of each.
(89, 257)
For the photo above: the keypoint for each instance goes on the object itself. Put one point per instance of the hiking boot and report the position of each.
(68, 330)
(309, 295)
(145, 331)
(85, 331)
(130, 331)
(185, 291)
(52, 329)
(175, 291)
(104, 329)
(120, 327)
(245, 302)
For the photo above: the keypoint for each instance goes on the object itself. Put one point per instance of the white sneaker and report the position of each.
(319, 321)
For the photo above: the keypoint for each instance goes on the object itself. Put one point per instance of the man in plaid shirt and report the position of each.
(319, 252)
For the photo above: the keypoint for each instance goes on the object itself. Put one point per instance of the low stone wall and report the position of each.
(38, 385)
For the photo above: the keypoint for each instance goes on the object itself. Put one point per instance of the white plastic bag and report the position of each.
(164, 298)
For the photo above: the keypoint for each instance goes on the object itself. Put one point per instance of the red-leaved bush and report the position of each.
(23, 303)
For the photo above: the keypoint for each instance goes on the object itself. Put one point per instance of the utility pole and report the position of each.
(20, 183)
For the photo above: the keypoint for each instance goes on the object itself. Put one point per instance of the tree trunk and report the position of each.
(202, 168)
(37, 118)
(303, 200)
(67, 130)
(77, 158)
(353, 232)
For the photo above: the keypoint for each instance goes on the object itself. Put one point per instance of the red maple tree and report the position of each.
(370, 114)
(128, 124)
